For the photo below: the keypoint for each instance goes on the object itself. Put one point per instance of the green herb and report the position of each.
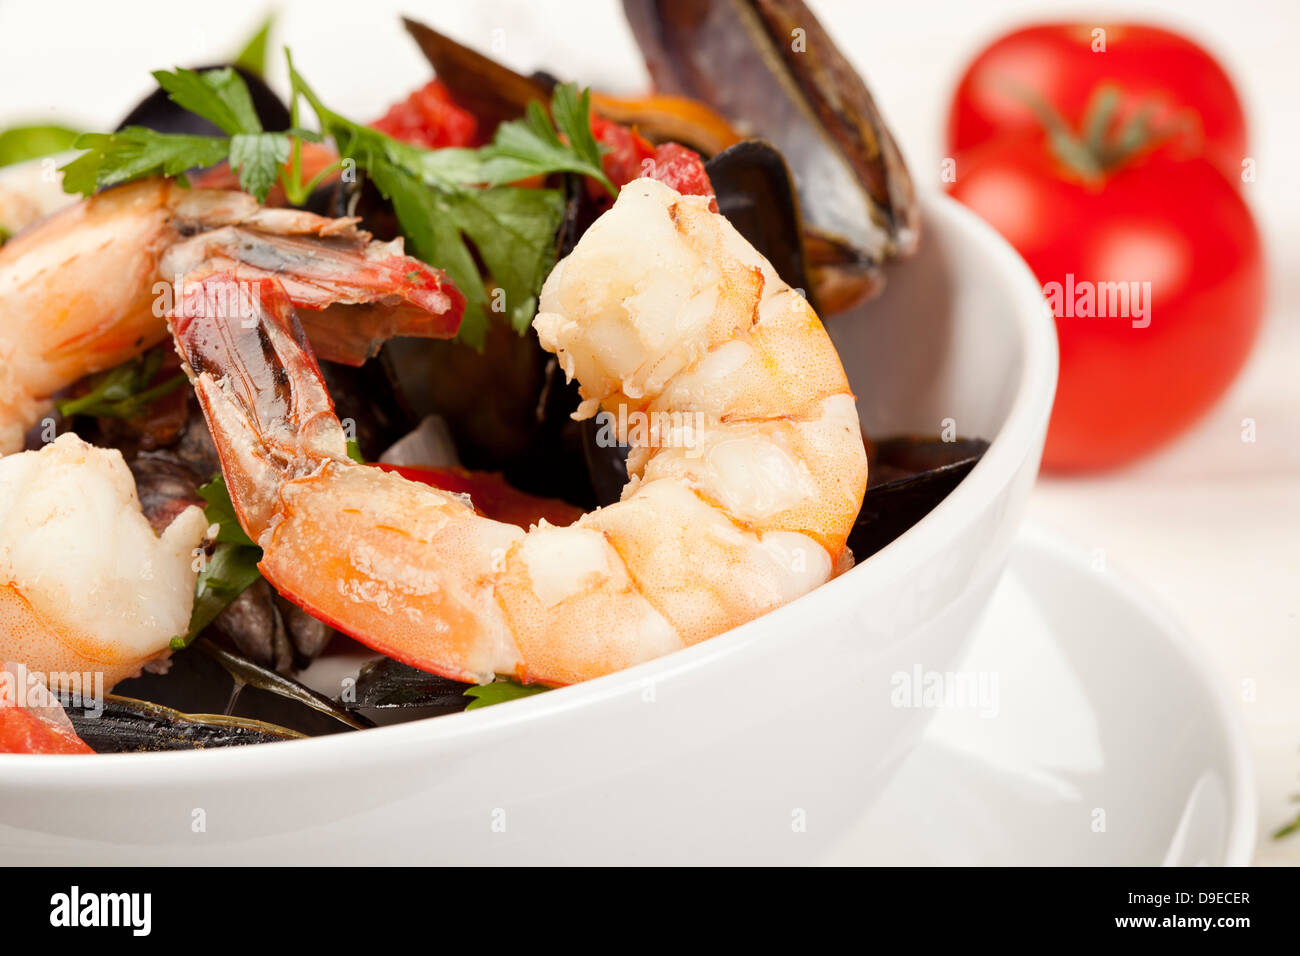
(135, 153)
(219, 96)
(22, 143)
(257, 157)
(228, 571)
(441, 201)
(485, 695)
(451, 203)
(523, 148)
(253, 56)
(354, 452)
(124, 391)
(220, 510)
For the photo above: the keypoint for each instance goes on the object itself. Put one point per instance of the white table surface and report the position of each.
(1211, 524)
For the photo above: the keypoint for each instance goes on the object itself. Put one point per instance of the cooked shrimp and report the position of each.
(85, 583)
(742, 503)
(90, 287)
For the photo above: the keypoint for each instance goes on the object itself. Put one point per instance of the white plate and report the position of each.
(1105, 738)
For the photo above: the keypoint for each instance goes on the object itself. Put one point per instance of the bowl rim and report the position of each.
(1015, 440)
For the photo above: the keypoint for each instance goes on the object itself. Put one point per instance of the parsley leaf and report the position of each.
(452, 204)
(485, 695)
(258, 158)
(220, 510)
(440, 203)
(514, 232)
(135, 153)
(228, 571)
(220, 96)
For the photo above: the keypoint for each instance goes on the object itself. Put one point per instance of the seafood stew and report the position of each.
(518, 385)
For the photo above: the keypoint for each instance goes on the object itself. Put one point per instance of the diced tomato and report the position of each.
(42, 728)
(23, 732)
(627, 150)
(429, 118)
(492, 496)
(682, 168)
(630, 156)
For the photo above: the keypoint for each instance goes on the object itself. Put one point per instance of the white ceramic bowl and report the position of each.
(761, 745)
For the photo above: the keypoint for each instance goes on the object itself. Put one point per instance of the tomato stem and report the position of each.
(1098, 148)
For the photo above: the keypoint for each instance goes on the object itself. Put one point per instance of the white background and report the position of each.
(1211, 524)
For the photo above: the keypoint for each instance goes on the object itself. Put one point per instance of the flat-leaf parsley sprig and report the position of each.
(456, 206)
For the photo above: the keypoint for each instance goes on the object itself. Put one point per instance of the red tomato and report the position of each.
(492, 496)
(429, 118)
(31, 722)
(1133, 380)
(23, 732)
(630, 156)
(626, 149)
(1057, 63)
(681, 168)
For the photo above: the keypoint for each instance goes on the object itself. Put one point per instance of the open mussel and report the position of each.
(771, 70)
(906, 478)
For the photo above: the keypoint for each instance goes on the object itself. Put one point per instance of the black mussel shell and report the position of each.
(909, 456)
(756, 194)
(127, 725)
(908, 477)
(157, 112)
(211, 679)
(386, 684)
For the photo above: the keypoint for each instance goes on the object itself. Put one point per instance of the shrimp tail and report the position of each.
(237, 336)
(351, 544)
